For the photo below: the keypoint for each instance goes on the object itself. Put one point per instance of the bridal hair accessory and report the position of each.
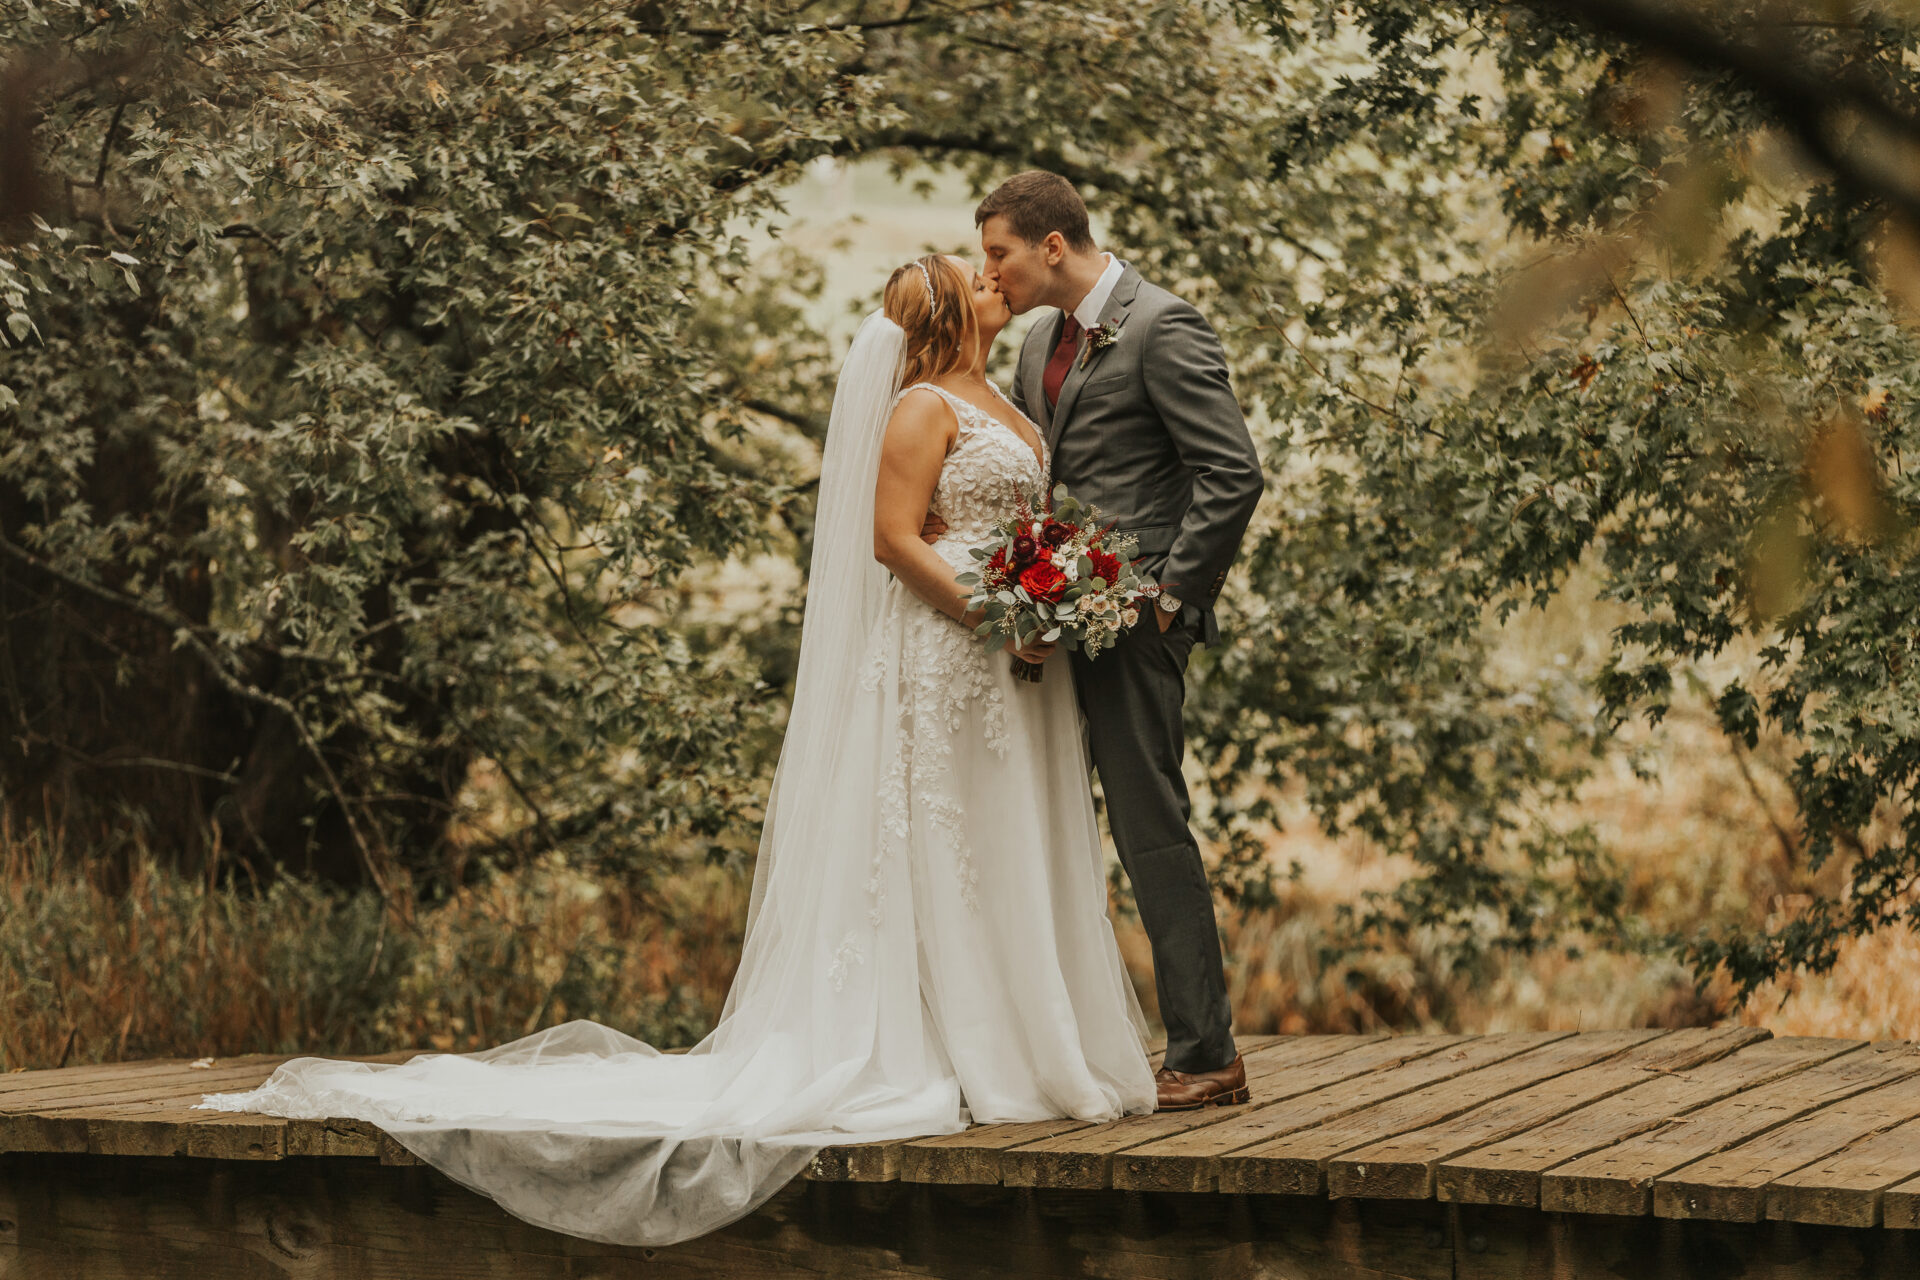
(933, 303)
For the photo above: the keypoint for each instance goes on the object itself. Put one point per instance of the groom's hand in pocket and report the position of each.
(1163, 618)
(933, 530)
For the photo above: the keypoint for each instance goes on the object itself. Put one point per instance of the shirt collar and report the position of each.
(1088, 312)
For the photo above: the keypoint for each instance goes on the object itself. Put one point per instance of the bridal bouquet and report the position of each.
(1054, 574)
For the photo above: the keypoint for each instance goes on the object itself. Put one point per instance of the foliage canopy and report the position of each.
(375, 373)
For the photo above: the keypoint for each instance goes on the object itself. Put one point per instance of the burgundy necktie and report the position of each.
(1062, 361)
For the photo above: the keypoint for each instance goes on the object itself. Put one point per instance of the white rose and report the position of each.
(1130, 616)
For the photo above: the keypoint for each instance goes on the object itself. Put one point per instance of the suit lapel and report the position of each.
(1084, 366)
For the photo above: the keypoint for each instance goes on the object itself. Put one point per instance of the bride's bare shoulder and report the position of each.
(922, 411)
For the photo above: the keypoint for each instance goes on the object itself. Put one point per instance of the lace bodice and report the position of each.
(988, 468)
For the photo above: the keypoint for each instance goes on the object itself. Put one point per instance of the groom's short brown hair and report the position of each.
(1037, 202)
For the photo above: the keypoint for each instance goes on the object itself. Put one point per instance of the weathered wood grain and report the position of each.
(1509, 1172)
(1845, 1189)
(1084, 1158)
(1619, 1179)
(54, 1077)
(1401, 1167)
(1900, 1206)
(1188, 1160)
(981, 1155)
(153, 1114)
(175, 1081)
(1818, 1135)
(1295, 1164)
(1731, 1185)
(973, 1155)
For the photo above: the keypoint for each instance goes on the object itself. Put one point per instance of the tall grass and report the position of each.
(165, 965)
(172, 966)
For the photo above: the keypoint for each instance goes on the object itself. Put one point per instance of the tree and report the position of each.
(1579, 303)
(376, 373)
(375, 370)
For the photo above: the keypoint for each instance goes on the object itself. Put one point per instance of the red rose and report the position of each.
(1055, 533)
(1043, 582)
(1024, 551)
(1105, 565)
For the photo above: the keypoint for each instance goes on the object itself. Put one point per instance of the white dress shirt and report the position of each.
(1088, 312)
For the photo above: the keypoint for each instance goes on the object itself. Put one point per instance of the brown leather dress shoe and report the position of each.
(1192, 1090)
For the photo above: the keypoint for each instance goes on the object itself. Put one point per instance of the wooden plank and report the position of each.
(977, 1156)
(952, 1157)
(1900, 1206)
(1084, 1158)
(1619, 1179)
(1188, 1160)
(1846, 1188)
(164, 1131)
(1509, 1172)
(338, 1137)
(59, 1124)
(1295, 1164)
(136, 1084)
(131, 1082)
(153, 1116)
(18, 1081)
(1731, 1185)
(1401, 1167)
(170, 1088)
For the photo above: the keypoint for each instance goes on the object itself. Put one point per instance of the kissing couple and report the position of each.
(927, 940)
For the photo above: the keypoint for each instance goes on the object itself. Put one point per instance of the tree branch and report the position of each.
(183, 632)
(1811, 105)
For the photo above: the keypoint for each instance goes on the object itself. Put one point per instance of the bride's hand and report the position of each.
(1035, 653)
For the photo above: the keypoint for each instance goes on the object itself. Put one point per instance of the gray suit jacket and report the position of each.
(1148, 430)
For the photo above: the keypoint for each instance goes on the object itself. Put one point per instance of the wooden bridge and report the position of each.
(1701, 1153)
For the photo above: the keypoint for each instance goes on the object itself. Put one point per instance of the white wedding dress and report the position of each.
(927, 939)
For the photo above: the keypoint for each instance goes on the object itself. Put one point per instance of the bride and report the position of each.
(927, 940)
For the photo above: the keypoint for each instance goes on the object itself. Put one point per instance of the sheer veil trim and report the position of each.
(585, 1130)
(928, 914)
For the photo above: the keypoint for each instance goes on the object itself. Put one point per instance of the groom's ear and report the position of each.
(1054, 247)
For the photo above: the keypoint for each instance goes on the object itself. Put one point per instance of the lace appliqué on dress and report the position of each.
(943, 669)
(849, 954)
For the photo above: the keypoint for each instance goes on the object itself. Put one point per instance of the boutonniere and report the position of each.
(1102, 336)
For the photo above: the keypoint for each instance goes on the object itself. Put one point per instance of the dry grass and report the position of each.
(166, 965)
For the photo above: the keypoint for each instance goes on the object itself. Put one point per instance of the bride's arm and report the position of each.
(918, 436)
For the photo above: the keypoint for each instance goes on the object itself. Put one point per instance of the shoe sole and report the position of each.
(1231, 1098)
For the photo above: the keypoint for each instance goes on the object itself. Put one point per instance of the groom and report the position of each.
(1130, 386)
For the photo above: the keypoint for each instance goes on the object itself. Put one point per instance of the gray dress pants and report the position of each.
(1133, 696)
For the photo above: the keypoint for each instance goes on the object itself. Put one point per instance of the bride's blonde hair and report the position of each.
(931, 300)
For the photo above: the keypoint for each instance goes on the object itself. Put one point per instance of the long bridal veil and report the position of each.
(586, 1130)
